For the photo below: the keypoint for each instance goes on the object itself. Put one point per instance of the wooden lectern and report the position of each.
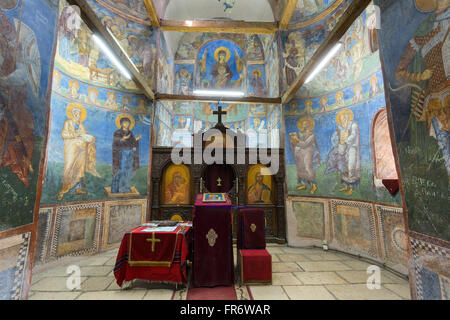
(213, 263)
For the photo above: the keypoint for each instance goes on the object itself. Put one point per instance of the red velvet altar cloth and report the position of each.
(251, 229)
(167, 263)
(213, 244)
(256, 266)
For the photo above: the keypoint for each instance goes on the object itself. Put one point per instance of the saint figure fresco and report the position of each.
(425, 68)
(306, 153)
(257, 84)
(220, 65)
(20, 68)
(79, 151)
(125, 153)
(345, 156)
(222, 72)
(183, 82)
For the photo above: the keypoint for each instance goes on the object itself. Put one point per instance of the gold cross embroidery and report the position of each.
(153, 240)
(212, 237)
(219, 182)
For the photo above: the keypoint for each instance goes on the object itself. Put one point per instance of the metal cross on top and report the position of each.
(220, 113)
(153, 240)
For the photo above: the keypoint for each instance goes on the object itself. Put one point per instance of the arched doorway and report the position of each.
(382, 154)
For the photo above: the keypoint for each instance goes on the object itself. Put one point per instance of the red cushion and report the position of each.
(255, 253)
(256, 266)
(391, 185)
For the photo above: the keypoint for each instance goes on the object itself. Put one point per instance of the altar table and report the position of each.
(213, 244)
(153, 256)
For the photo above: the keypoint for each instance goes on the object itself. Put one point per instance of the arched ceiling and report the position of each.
(245, 10)
(238, 10)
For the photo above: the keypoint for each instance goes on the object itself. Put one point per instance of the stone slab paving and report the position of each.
(269, 293)
(308, 293)
(285, 267)
(298, 274)
(319, 278)
(361, 292)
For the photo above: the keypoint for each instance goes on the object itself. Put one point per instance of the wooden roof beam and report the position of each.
(152, 14)
(287, 14)
(349, 16)
(217, 26)
(211, 99)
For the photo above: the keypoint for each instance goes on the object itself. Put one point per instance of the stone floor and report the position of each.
(298, 274)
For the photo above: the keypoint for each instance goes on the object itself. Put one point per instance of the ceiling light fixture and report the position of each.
(215, 93)
(112, 57)
(324, 62)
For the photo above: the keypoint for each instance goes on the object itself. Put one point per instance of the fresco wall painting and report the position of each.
(28, 28)
(351, 64)
(354, 227)
(338, 147)
(372, 231)
(332, 147)
(119, 165)
(415, 62)
(100, 114)
(308, 221)
(393, 237)
(77, 230)
(44, 229)
(78, 55)
(13, 264)
(121, 217)
(27, 44)
(310, 218)
(420, 108)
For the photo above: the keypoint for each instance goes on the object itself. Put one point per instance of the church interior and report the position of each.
(224, 149)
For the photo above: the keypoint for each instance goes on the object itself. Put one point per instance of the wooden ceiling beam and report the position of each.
(211, 99)
(95, 25)
(348, 17)
(217, 26)
(287, 14)
(152, 14)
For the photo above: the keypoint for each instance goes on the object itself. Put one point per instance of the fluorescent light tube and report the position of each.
(121, 49)
(218, 93)
(111, 56)
(324, 62)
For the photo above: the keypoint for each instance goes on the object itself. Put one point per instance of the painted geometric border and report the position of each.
(108, 206)
(373, 251)
(417, 246)
(444, 284)
(95, 246)
(16, 291)
(47, 230)
(381, 221)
